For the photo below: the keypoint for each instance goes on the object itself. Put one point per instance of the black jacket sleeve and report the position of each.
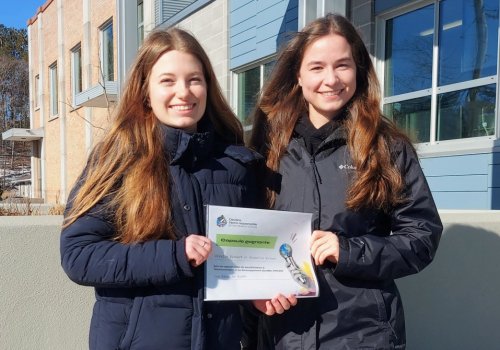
(415, 233)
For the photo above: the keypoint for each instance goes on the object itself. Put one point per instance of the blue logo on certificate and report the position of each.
(221, 221)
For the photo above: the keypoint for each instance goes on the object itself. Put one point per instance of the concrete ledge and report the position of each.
(40, 307)
(452, 304)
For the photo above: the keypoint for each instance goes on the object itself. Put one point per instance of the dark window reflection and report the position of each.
(248, 90)
(468, 34)
(408, 55)
(412, 116)
(466, 113)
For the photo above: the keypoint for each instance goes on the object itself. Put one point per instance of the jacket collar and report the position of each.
(334, 132)
(179, 144)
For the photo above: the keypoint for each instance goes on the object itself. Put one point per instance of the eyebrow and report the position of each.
(173, 74)
(343, 59)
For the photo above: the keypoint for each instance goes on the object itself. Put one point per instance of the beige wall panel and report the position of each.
(53, 161)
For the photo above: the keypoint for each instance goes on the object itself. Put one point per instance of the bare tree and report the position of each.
(14, 96)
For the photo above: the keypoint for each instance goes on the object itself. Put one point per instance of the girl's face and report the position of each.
(327, 76)
(178, 90)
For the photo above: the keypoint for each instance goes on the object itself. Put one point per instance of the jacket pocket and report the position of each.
(379, 300)
(132, 324)
(385, 313)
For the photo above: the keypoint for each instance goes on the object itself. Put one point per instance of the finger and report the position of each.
(197, 260)
(260, 305)
(317, 234)
(270, 310)
(196, 254)
(283, 302)
(319, 240)
(292, 299)
(323, 252)
(277, 306)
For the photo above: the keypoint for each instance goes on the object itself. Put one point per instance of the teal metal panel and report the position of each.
(464, 181)
(235, 5)
(462, 200)
(460, 183)
(258, 28)
(494, 175)
(246, 24)
(248, 35)
(495, 198)
(457, 165)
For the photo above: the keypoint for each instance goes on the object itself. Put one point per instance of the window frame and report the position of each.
(76, 72)
(53, 91)
(140, 22)
(235, 82)
(106, 69)
(435, 147)
(36, 87)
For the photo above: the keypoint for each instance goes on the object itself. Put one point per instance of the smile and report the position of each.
(332, 93)
(183, 107)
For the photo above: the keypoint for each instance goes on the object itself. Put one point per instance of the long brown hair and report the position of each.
(378, 182)
(129, 164)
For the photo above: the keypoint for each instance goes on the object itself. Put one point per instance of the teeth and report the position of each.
(331, 93)
(182, 107)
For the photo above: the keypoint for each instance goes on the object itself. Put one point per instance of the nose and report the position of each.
(181, 89)
(331, 77)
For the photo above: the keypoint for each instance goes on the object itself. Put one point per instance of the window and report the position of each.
(107, 55)
(309, 10)
(140, 22)
(249, 83)
(440, 70)
(36, 97)
(54, 98)
(76, 71)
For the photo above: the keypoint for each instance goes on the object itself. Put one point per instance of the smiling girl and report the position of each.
(330, 152)
(134, 225)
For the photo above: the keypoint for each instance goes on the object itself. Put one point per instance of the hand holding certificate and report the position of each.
(258, 254)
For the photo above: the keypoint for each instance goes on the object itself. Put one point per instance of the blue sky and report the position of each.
(15, 13)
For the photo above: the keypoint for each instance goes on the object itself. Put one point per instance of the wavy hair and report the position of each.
(130, 165)
(378, 182)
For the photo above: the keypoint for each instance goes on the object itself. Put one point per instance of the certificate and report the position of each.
(258, 253)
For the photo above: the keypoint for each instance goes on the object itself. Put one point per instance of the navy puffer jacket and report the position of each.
(148, 297)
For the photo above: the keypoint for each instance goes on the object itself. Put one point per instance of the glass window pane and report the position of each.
(36, 86)
(77, 70)
(466, 113)
(311, 10)
(140, 23)
(268, 68)
(53, 90)
(107, 53)
(248, 90)
(468, 34)
(408, 52)
(412, 116)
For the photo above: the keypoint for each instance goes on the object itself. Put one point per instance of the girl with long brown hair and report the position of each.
(134, 224)
(329, 151)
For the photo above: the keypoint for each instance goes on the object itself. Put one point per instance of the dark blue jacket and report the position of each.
(359, 306)
(148, 296)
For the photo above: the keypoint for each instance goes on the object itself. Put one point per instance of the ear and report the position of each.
(299, 80)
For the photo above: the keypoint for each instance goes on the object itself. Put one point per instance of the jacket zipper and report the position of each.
(317, 182)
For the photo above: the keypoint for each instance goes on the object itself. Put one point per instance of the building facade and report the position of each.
(437, 61)
(72, 69)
